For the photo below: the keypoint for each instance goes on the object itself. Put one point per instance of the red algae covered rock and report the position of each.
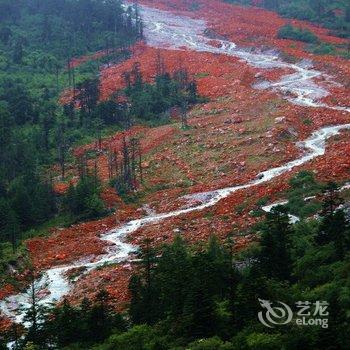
(69, 244)
(237, 134)
(6, 290)
(239, 23)
(114, 279)
(211, 71)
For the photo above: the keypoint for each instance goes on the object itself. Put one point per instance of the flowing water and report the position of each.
(166, 30)
(163, 29)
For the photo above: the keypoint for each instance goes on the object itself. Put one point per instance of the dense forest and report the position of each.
(334, 15)
(38, 40)
(38, 43)
(205, 296)
(202, 296)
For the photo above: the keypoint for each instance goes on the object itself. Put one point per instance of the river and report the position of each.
(166, 30)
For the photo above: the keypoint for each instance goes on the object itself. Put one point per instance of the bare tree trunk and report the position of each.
(140, 164)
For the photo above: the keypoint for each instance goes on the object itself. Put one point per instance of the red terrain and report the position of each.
(240, 132)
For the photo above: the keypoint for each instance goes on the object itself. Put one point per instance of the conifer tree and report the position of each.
(36, 313)
(275, 257)
(334, 226)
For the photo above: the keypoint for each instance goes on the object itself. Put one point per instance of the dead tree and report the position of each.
(136, 75)
(73, 81)
(62, 147)
(69, 72)
(139, 155)
(115, 159)
(35, 312)
(127, 78)
(160, 64)
(129, 172)
(110, 164)
(82, 165)
(184, 107)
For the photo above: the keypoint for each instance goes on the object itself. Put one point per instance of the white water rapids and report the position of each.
(163, 29)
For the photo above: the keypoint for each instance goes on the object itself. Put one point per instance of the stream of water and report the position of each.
(163, 29)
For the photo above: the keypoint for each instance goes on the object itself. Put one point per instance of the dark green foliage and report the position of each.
(35, 314)
(129, 171)
(19, 102)
(301, 196)
(186, 297)
(154, 101)
(144, 307)
(38, 39)
(28, 201)
(89, 323)
(112, 112)
(64, 26)
(32, 199)
(294, 33)
(275, 260)
(334, 226)
(88, 94)
(9, 225)
(140, 337)
(83, 200)
(323, 49)
(183, 288)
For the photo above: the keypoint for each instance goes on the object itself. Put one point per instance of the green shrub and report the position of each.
(303, 185)
(214, 343)
(323, 49)
(137, 338)
(297, 10)
(264, 341)
(294, 33)
(83, 200)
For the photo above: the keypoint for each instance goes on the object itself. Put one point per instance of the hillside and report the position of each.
(331, 14)
(219, 118)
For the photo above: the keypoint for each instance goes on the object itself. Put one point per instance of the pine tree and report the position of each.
(21, 201)
(100, 319)
(199, 319)
(83, 200)
(275, 257)
(62, 146)
(65, 324)
(9, 225)
(145, 294)
(88, 94)
(136, 309)
(334, 226)
(331, 199)
(173, 277)
(36, 313)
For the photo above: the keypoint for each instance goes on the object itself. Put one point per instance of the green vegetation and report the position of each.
(302, 200)
(153, 104)
(154, 101)
(294, 33)
(322, 48)
(334, 14)
(83, 201)
(315, 46)
(47, 33)
(206, 296)
(38, 39)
